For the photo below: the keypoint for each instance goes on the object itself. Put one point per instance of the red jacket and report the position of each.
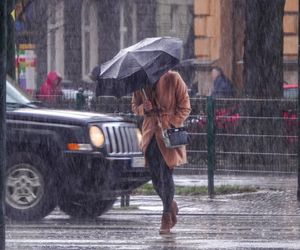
(49, 91)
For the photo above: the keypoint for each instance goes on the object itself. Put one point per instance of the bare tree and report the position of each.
(263, 73)
(263, 56)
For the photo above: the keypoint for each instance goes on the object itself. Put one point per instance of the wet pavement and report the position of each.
(280, 181)
(268, 219)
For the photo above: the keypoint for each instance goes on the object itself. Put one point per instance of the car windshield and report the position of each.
(15, 96)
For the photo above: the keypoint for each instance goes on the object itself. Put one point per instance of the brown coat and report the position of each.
(172, 97)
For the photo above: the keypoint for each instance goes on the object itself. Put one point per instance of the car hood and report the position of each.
(60, 116)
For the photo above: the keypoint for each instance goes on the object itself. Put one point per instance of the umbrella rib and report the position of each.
(142, 67)
(132, 72)
(130, 52)
(120, 61)
(157, 50)
(113, 68)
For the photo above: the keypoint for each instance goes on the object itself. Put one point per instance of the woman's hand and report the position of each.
(147, 106)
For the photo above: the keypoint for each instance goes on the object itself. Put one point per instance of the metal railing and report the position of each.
(249, 135)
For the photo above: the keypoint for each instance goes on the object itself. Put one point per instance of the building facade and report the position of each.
(77, 35)
(72, 37)
(219, 38)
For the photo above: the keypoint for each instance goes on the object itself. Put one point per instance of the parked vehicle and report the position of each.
(78, 160)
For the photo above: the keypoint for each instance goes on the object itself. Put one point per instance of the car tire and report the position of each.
(30, 189)
(86, 210)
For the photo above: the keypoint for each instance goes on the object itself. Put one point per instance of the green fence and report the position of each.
(231, 135)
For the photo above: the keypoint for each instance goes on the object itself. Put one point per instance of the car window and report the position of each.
(15, 95)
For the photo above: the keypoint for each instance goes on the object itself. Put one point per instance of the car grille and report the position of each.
(121, 139)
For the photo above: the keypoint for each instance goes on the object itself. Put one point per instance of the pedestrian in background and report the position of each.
(50, 90)
(222, 86)
(80, 99)
(164, 105)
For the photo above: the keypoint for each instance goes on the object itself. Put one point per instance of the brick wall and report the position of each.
(290, 27)
(207, 29)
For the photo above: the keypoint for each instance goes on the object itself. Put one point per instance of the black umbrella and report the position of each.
(141, 64)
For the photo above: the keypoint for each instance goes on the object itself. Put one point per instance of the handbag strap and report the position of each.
(153, 99)
(155, 103)
(157, 107)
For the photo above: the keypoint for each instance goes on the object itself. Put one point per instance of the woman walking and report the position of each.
(163, 106)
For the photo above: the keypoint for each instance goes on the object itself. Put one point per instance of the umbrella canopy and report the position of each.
(141, 64)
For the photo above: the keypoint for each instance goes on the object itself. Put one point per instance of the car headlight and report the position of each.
(139, 135)
(96, 136)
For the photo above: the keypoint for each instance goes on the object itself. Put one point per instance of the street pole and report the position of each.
(10, 38)
(298, 192)
(211, 154)
(3, 51)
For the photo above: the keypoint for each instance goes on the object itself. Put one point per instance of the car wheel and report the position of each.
(30, 190)
(86, 210)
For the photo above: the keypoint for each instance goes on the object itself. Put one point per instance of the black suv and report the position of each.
(78, 160)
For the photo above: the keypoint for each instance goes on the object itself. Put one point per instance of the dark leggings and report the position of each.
(161, 175)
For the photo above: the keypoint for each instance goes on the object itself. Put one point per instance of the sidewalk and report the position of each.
(284, 181)
(277, 195)
(267, 219)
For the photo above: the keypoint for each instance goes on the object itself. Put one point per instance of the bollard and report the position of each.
(125, 200)
(211, 144)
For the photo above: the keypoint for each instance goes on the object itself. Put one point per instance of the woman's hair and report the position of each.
(218, 69)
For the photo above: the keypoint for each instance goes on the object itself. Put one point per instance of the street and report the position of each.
(267, 219)
(94, 91)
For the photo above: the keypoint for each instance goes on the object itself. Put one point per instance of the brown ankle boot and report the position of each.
(166, 223)
(174, 211)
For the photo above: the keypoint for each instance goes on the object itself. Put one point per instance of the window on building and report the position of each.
(52, 55)
(128, 23)
(174, 19)
(55, 37)
(90, 40)
(52, 14)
